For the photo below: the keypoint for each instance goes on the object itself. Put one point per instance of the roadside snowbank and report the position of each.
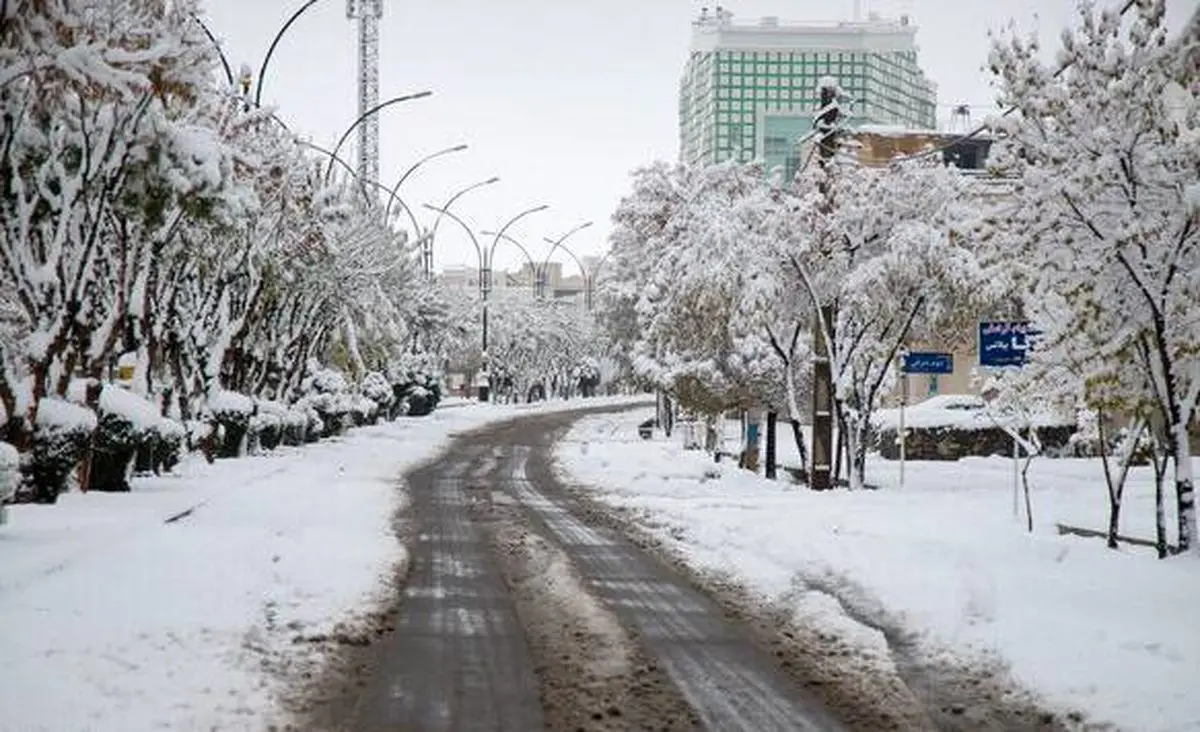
(113, 618)
(1110, 634)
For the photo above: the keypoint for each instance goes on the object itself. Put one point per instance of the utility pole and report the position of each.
(367, 13)
(822, 413)
(771, 466)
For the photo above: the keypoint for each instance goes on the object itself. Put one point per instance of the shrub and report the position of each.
(416, 389)
(326, 392)
(364, 411)
(375, 387)
(60, 440)
(131, 436)
(232, 413)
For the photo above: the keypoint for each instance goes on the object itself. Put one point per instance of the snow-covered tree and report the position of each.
(1106, 210)
(694, 293)
(886, 246)
(149, 217)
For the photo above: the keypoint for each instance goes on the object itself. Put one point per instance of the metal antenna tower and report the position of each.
(367, 13)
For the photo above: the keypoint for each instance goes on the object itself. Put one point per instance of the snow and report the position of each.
(1110, 633)
(230, 402)
(962, 411)
(141, 413)
(113, 619)
(9, 463)
(59, 414)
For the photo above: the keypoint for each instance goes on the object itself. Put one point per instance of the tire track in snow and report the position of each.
(458, 658)
(731, 684)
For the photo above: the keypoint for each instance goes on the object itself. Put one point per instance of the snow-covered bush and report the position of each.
(60, 441)
(266, 426)
(416, 385)
(130, 436)
(587, 377)
(375, 387)
(232, 413)
(364, 411)
(326, 392)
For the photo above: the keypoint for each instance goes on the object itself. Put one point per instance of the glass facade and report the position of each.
(758, 104)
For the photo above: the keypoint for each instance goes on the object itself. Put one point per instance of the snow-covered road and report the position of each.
(473, 648)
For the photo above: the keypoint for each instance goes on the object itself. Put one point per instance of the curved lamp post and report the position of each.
(366, 115)
(587, 280)
(592, 280)
(262, 71)
(524, 250)
(444, 211)
(216, 46)
(484, 387)
(500, 234)
(393, 196)
(556, 243)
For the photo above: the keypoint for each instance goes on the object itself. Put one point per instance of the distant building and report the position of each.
(558, 285)
(751, 91)
(877, 144)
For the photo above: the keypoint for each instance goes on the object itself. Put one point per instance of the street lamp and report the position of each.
(529, 257)
(365, 116)
(427, 251)
(500, 234)
(587, 287)
(262, 71)
(556, 243)
(484, 377)
(393, 197)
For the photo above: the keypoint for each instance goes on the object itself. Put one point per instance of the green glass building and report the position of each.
(750, 91)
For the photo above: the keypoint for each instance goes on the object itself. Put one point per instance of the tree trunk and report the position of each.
(1160, 513)
(856, 446)
(1114, 522)
(798, 436)
(1184, 488)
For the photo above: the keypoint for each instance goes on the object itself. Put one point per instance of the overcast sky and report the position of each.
(559, 98)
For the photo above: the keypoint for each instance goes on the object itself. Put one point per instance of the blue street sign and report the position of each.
(917, 362)
(1005, 343)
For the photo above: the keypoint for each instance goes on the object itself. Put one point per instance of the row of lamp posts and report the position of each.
(425, 237)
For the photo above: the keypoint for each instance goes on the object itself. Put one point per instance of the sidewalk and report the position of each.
(1110, 634)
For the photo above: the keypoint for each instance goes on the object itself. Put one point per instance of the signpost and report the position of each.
(918, 362)
(1006, 344)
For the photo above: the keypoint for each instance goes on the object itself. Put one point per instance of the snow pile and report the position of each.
(1111, 634)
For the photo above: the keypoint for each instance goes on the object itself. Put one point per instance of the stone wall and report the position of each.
(953, 443)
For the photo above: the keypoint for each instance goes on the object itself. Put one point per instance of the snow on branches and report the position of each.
(1102, 230)
(148, 214)
(718, 273)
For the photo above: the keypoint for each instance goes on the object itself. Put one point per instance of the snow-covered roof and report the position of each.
(902, 131)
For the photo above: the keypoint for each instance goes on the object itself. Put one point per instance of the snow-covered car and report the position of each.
(943, 410)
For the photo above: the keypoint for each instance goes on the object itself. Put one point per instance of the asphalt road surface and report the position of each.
(519, 615)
